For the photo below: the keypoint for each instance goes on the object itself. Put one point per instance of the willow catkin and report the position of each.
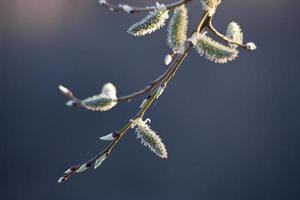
(177, 29)
(152, 22)
(104, 101)
(212, 50)
(149, 137)
(234, 33)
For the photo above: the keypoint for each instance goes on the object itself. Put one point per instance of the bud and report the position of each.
(72, 169)
(251, 46)
(168, 59)
(109, 89)
(82, 168)
(212, 50)
(152, 22)
(126, 8)
(99, 160)
(109, 137)
(177, 29)
(63, 89)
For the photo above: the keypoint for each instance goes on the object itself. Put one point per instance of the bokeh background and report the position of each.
(232, 131)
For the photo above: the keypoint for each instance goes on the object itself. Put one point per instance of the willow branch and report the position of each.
(134, 10)
(165, 78)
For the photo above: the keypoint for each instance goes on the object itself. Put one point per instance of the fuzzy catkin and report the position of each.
(152, 22)
(177, 29)
(234, 33)
(149, 138)
(104, 101)
(213, 50)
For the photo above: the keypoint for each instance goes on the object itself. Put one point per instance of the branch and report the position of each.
(165, 78)
(133, 10)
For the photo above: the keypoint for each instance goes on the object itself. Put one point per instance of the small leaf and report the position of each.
(152, 22)
(102, 2)
(145, 101)
(68, 171)
(104, 101)
(177, 29)
(159, 91)
(70, 103)
(234, 33)
(213, 50)
(61, 179)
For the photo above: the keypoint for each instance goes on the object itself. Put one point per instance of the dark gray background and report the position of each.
(232, 131)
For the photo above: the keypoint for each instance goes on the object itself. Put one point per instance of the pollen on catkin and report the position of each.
(149, 137)
(152, 22)
(177, 29)
(212, 50)
(234, 33)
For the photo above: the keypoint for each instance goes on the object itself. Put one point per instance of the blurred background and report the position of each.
(232, 130)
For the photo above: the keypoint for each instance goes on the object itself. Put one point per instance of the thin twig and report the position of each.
(223, 37)
(134, 10)
(126, 98)
(73, 100)
(149, 88)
